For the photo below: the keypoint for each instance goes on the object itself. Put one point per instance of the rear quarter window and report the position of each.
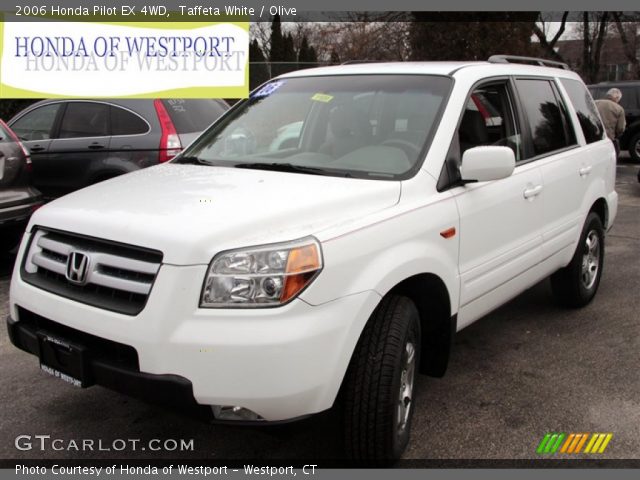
(193, 115)
(124, 122)
(585, 109)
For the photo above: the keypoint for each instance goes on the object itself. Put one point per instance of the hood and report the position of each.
(191, 212)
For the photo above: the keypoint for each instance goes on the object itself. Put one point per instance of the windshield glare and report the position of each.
(363, 126)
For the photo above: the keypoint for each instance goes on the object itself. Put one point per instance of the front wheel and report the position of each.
(577, 283)
(379, 388)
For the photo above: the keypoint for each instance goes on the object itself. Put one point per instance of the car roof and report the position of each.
(141, 106)
(432, 68)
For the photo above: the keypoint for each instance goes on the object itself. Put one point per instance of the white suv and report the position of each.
(261, 284)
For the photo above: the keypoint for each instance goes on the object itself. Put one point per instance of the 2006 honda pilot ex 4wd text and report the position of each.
(322, 242)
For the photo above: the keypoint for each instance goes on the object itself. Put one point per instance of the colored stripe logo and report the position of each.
(572, 443)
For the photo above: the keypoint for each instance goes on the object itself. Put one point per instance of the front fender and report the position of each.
(383, 253)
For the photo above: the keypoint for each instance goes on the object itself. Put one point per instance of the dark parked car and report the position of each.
(630, 139)
(17, 198)
(75, 143)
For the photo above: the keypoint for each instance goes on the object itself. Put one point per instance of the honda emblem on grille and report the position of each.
(77, 268)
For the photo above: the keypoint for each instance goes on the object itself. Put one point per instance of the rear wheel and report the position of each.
(577, 283)
(634, 147)
(379, 388)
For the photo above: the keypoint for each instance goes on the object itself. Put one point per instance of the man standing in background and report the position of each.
(612, 115)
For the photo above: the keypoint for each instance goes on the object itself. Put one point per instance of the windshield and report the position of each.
(360, 126)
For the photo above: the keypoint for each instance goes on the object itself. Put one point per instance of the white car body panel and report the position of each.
(192, 212)
(289, 361)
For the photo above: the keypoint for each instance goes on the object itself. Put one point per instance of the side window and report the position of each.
(547, 117)
(85, 119)
(37, 124)
(488, 120)
(124, 122)
(585, 109)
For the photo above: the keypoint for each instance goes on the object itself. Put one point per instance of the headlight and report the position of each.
(261, 276)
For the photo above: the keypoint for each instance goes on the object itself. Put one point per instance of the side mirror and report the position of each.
(482, 164)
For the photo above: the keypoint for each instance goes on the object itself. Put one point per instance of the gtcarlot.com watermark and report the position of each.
(44, 443)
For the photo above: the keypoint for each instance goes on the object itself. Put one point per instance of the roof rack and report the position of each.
(543, 62)
(357, 62)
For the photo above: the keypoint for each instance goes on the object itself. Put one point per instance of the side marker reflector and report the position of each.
(448, 233)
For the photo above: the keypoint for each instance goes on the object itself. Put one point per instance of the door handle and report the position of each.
(96, 146)
(584, 171)
(36, 148)
(532, 192)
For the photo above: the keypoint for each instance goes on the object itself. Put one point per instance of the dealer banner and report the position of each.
(128, 59)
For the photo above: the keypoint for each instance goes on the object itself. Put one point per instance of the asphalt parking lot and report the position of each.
(525, 370)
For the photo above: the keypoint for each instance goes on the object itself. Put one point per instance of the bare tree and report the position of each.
(261, 31)
(471, 36)
(595, 26)
(626, 27)
(549, 45)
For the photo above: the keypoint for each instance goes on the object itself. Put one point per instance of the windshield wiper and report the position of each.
(190, 161)
(283, 167)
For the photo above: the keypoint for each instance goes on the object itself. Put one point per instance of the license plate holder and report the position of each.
(65, 360)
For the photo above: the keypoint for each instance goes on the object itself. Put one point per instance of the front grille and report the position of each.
(114, 277)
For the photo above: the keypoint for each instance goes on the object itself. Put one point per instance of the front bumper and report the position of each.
(280, 363)
(121, 376)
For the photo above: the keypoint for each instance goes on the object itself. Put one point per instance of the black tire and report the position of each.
(634, 147)
(575, 285)
(372, 388)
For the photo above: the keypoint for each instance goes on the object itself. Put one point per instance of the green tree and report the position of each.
(307, 57)
(258, 68)
(289, 54)
(277, 47)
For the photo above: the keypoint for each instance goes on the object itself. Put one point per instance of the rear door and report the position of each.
(81, 141)
(553, 145)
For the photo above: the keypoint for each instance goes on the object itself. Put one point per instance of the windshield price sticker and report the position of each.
(322, 97)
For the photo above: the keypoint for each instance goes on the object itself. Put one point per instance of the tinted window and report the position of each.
(193, 115)
(85, 119)
(585, 109)
(124, 122)
(37, 124)
(548, 123)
